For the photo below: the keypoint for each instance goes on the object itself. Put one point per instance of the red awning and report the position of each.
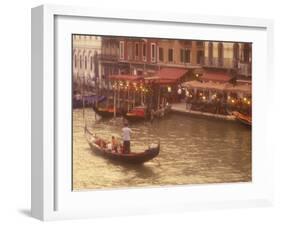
(170, 75)
(125, 77)
(216, 77)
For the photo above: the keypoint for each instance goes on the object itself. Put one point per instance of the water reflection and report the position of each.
(193, 150)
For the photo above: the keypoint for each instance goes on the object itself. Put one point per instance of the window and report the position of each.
(200, 55)
(80, 62)
(144, 51)
(210, 53)
(130, 50)
(91, 63)
(161, 54)
(220, 54)
(185, 55)
(153, 47)
(75, 61)
(247, 53)
(121, 49)
(137, 50)
(235, 54)
(85, 62)
(170, 55)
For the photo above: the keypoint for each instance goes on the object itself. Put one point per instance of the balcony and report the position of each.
(244, 69)
(219, 63)
(108, 57)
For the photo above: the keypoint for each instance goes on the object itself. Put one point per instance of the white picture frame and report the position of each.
(52, 195)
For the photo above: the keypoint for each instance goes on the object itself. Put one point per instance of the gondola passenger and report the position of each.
(114, 144)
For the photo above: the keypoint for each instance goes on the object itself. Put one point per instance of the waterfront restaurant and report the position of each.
(128, 91)
(217, 93)
(166, 82)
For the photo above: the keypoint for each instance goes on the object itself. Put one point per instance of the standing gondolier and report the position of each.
(126, 138)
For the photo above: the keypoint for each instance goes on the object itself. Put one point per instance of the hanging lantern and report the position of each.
(169, 89)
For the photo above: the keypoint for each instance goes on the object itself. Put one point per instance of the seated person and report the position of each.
(109, 146)
(114, 143)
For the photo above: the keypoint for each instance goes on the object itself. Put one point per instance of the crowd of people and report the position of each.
(218, 103)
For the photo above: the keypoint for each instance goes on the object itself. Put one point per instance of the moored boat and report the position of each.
(106, 112)
(140, 113)
(89, 100)
(136, 114)
(98, 146)
(244, 119)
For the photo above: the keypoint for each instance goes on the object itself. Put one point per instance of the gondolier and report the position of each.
(126, 138)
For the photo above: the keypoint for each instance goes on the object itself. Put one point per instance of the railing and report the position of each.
(109, 57)
(201, 61)
(244, 69)
(218, 62)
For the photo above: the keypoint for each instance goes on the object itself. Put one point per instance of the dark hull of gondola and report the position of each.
(106, 113)
(244, 119)
(132, 158)
(134, 118)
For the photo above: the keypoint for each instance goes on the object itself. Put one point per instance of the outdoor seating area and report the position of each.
(218, 98)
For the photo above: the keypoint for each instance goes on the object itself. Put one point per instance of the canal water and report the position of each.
(193, 151)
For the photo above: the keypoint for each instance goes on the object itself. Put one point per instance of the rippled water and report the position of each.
(193, 151)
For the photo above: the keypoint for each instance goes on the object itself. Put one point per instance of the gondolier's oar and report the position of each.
(87, 130)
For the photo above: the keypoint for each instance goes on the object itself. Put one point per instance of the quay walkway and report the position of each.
(181, 108)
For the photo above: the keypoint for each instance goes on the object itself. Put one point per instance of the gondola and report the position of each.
(140, 113)
(98, 146)
(244, 119)
(136, 114)
(106, 112)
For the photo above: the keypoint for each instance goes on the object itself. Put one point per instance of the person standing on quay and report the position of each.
(126, 138)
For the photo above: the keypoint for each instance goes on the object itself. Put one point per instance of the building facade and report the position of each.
(109, 56)
(86, 52)
(141, 56)
(98, 57)
(234, 57)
